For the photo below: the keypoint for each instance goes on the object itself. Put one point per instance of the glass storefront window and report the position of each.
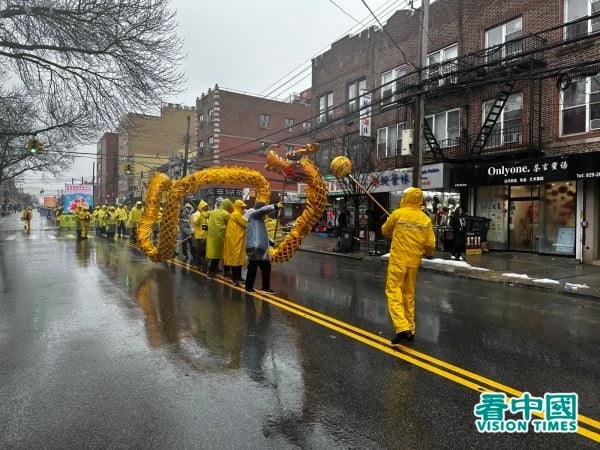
(492, 202)
(557, 219)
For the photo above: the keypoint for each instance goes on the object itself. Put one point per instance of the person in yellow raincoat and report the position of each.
(26, 218)
(121, 221)
(102, 219)
(135, 215)
(85, 217)
(234, 253)
(200, 220)
(215, 238)
(96, 219)
(78, 218)
(412, 237)
(111, 222)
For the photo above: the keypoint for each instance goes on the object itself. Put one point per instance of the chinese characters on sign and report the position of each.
(365, 113)
(556, 412)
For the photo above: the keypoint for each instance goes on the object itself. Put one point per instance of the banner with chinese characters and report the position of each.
(365, 113)
(78, 194)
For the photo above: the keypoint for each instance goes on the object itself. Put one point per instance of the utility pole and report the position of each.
(187, 146)
(420, 106)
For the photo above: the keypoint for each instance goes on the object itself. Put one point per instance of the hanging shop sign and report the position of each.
(365, 113)
(334, 186)
(432, 177)
(586, 165)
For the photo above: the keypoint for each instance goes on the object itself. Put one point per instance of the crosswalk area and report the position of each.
(8, 236)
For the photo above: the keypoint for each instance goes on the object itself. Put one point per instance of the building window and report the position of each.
(211, 142)
(390, 85)
(389, 141)
(325, 105)
(445, 127)
(200, 147)
(504, 40)
(211, 115)
(580, 106)
(508, 128)
(306, 126)
(201, 120)
(353, 91)
(440, 64)
(289, 125)
(265, 121)
(288, 148)
(324, 155)
(264, 146)
(578, 9)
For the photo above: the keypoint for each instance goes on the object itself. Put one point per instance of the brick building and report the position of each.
(107, 169)
(512, 108)
(237, 128)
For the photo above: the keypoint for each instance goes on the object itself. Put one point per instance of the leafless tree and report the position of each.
(82, 64)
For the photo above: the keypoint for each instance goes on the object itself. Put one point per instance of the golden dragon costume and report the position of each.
(295, 166)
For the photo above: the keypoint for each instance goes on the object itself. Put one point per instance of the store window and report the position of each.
(508, 34)
(492, 202)
(580, 106)
(390, 85)
(557, 218)
(579, 9)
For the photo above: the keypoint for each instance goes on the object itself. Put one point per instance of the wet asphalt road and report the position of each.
(101, 348)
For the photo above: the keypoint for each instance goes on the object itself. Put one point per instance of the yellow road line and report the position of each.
(408, 354)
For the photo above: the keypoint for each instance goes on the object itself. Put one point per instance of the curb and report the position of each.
(457, 272)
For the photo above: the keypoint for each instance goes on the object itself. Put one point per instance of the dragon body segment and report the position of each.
(294, 167)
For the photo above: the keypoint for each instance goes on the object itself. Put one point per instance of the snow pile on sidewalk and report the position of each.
(445, 262)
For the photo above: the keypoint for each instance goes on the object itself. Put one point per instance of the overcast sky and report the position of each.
(251, 46)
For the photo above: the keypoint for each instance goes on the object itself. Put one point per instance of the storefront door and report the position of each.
(524, 224)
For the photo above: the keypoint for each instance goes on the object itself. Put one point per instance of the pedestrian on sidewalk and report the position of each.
(459, 229)
(257, 246)
(412, 237)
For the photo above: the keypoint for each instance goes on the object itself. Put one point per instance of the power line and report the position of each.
(346, 12)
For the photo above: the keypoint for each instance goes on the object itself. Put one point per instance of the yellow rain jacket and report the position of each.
(121, 213)
(200, 221)
(234, 253)
(410, 230)
(412, 236)
(215, 239)
(102, 216)
(135, 215)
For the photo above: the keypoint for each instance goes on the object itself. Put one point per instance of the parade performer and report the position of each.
(200, 220)
(78, 218)
(412, 236)
(111, 222)
(257, 246)
(85, 218)
(235, 237)
(215, 239)
(134, 219)
(26, 217)
(121, 221)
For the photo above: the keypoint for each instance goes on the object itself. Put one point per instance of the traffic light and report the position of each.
(128, 169)
(34, 146)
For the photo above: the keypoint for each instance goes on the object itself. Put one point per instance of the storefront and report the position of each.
(534, 205)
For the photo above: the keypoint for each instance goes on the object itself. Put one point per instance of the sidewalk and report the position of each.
(553, 273)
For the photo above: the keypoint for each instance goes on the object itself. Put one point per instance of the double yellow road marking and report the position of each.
(588, 427)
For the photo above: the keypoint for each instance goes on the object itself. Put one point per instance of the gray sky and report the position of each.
(251, 46)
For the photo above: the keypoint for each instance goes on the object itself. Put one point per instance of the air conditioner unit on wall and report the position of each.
(407, 142)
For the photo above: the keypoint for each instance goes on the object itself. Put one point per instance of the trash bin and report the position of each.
(347, 241)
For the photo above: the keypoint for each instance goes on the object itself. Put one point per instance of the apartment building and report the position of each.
(107, 169)
(148, 141)
(512, 116)
(236, 129)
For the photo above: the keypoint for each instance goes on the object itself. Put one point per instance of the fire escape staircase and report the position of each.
(432, 142)
(492, 118)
